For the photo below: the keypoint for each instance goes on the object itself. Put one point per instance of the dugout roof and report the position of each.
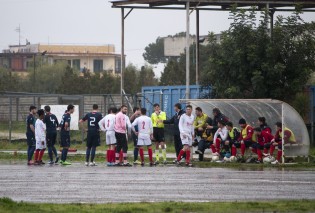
(251, 109)
(276, 5)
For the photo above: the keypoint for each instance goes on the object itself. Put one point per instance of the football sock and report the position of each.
(164, 154)
(279, 155)
(259, 154)
(243, 147)
(217, 144)
(254, 150)
(213, 149)
(93, 153)
(36, 154)
(233, 150)
(265, 151)
(87, 154)
(125, 157)
(112, 154)
(150, 154)
(157, 158)
(120, 156)
(188, 156)
(135, 153)
(141, 154)
(272, 149)
(117, 157)
(179, 157)
(41, 154)
(108, 155)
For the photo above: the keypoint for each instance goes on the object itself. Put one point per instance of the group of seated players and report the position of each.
(223, 138)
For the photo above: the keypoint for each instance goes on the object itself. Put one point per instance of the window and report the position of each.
(98, 65)
(117, 65)
(76, 64)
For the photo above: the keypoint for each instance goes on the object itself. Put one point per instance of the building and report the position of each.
(174, 46)
(19, 58)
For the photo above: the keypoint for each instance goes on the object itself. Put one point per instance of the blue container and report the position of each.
(168, 96)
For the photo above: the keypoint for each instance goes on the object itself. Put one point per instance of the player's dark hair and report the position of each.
(257, 129)
(40, 112)
(32, 107)
(70, 107)
(229, 123)
(122, 106)
(262, 119)
(189, 106)
(221, 122)
(178, 105)
(143, 111)
(156, 104)
(279, 124)
(135, 109)
(198, 109)
(47, 108)
(95, 106)
(114, 110)
(216, 110)
(242, 121)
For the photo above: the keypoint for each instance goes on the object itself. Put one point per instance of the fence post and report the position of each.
(10, 120)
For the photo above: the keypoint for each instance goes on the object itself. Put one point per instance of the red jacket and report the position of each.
(265, 137)
(249, 134)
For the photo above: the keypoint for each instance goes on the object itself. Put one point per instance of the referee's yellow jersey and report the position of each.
(157, 119)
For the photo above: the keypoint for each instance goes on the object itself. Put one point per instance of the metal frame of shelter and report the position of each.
(202, 5)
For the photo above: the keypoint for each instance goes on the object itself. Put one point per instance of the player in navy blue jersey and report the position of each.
(30, 134)
(65, 134)
(93, 134)
(52, 123)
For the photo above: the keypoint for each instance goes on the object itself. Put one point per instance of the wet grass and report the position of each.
(8, 205)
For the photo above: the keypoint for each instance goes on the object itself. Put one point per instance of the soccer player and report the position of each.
(158, 117)
(288, 137)
(93, 134)
(232, 141)
(107, 125)
(65, 134)
(145, 134)
(218, 116)
(136, 114)
(30, 134)
(40, 137)
(219, 137)
(263, 125)
(120, 134)
(246, 136)
(52, 123)
(187, 134)
(199, 123)
(263, 137)
(175, 120)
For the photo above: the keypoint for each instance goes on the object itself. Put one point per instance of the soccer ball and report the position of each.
(233, 159)
(215, 158)
(226, 159)
(267, 160)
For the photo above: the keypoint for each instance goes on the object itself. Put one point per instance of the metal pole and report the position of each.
(312, 115)
(187, 51)
(10, 120)
(283, 126)
(34, 74)
(197, 47)
(271, 14)
(122, 69)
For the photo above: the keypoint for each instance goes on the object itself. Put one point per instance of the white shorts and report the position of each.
(144, 140)
(39, 144)
(110, 138)
(186, 139)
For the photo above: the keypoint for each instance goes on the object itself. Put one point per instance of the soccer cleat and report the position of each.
(61, 162)
(165, 162)
(36, 163)
(57, 159)
(117, 164)
(177, 162)
(87, 163)
(92, 164)
(142, 163)
(157, 162)
(188, 164)
(66, 163)
(152, 164)
(109, 164)
(258, 161)
(41, 162)
(127, 164)
(275, 162)
(198, 152)
(136, 162)
(30, 163)
(51, 162)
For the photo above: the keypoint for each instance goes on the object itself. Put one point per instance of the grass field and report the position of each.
(7, 205)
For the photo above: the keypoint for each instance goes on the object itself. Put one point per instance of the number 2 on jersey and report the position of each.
(92, 121)
(143, 124)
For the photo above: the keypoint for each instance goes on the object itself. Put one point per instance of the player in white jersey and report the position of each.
(40, 137)
(187, 134)
(107, 125)
(145, 134)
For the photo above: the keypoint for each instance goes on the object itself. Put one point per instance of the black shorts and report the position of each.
(51, 138)
(93, 139)
(65, 139)
(30, 139)
(158, 134)
(134, 138)
(257, 146)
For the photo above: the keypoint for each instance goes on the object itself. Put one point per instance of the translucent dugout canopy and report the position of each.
(250, 109)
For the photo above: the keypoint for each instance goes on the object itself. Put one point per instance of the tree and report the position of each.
(154, 52)
(249, 63)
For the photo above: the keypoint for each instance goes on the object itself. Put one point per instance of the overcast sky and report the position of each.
(95, 22)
